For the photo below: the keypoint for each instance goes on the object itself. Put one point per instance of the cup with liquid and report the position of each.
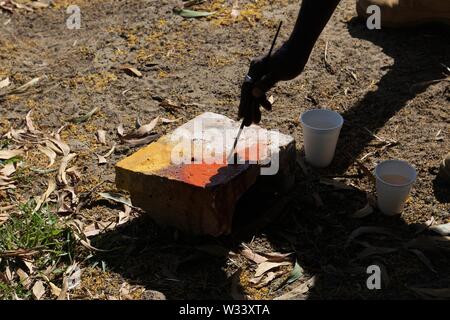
(321, 129)
(394, 180)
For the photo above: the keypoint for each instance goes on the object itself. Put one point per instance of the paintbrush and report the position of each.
(248, 78)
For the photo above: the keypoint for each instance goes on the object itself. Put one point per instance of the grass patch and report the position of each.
(40, 231)
(4, 143)
(16, 159)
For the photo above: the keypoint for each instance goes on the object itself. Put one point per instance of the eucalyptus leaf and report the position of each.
(116, 198)
(186, 13)
(295, 274)
(84, 118)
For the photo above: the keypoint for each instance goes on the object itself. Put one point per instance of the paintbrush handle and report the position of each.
(275, 39)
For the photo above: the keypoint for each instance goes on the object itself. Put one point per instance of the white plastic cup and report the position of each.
(395, 179)
(321, 130)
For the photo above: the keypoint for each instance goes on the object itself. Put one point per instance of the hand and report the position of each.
(263, 74)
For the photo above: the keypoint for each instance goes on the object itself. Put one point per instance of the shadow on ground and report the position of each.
(194, 268)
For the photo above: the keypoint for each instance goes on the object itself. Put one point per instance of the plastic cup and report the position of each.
(395, 179)
(321, 130)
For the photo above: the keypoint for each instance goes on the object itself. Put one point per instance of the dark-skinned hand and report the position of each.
(263, 74)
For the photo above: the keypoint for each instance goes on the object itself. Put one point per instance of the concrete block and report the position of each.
(185, 180)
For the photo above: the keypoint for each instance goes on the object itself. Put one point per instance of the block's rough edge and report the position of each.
(190, 217)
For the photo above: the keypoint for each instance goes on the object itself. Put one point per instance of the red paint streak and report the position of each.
(201, 174)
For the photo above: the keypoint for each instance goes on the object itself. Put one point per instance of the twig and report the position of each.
(366, 171)
(325, 59)
(419, 85)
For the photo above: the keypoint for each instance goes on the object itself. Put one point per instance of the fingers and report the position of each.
(246, 101)
(265, 103)
(249, 107)
(256, 113)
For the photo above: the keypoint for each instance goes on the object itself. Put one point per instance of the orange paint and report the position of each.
(201, 174)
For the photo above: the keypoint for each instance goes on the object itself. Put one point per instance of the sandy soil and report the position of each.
(370, 77)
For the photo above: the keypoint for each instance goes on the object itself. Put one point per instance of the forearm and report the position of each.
(312, 19)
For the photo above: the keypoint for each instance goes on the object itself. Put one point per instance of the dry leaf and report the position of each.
(132, 72)
(18, 253)
(65, 149)
(8, 170)
(101, 136)
(25, 87)
(433, 292)
(269, 278)
(124, 216)
(442, 229)
(115, 197)
(4, 216)
(143, 130)
(62, 169)
(29, 122)
(53, 147)
(276, 256)
(39, 5)
(366, 230)
(74, 172)
(430, 243)
(73, 276)
(336, 184)
(24, 278)
(8, 273)
(298, 293)
(51, 154)
(38, 290)
(29, 264)
(85, 117)
(421, 227)
(108, 225)
(267, 266)
(166, 121)
(295, 274)
(101, 159)
(138, 142)
(372, 250)
(252, 256)
(120, 130)
(21, 6)
(91, 230)
(63, 294)
(364, 212)
(8, 154)
(42, 199)
(235, 10)
(54, 289)
(4, 83)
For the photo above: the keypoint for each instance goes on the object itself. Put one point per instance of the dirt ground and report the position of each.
(377, 80)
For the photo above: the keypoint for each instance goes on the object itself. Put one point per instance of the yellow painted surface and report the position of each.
(150, 159)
